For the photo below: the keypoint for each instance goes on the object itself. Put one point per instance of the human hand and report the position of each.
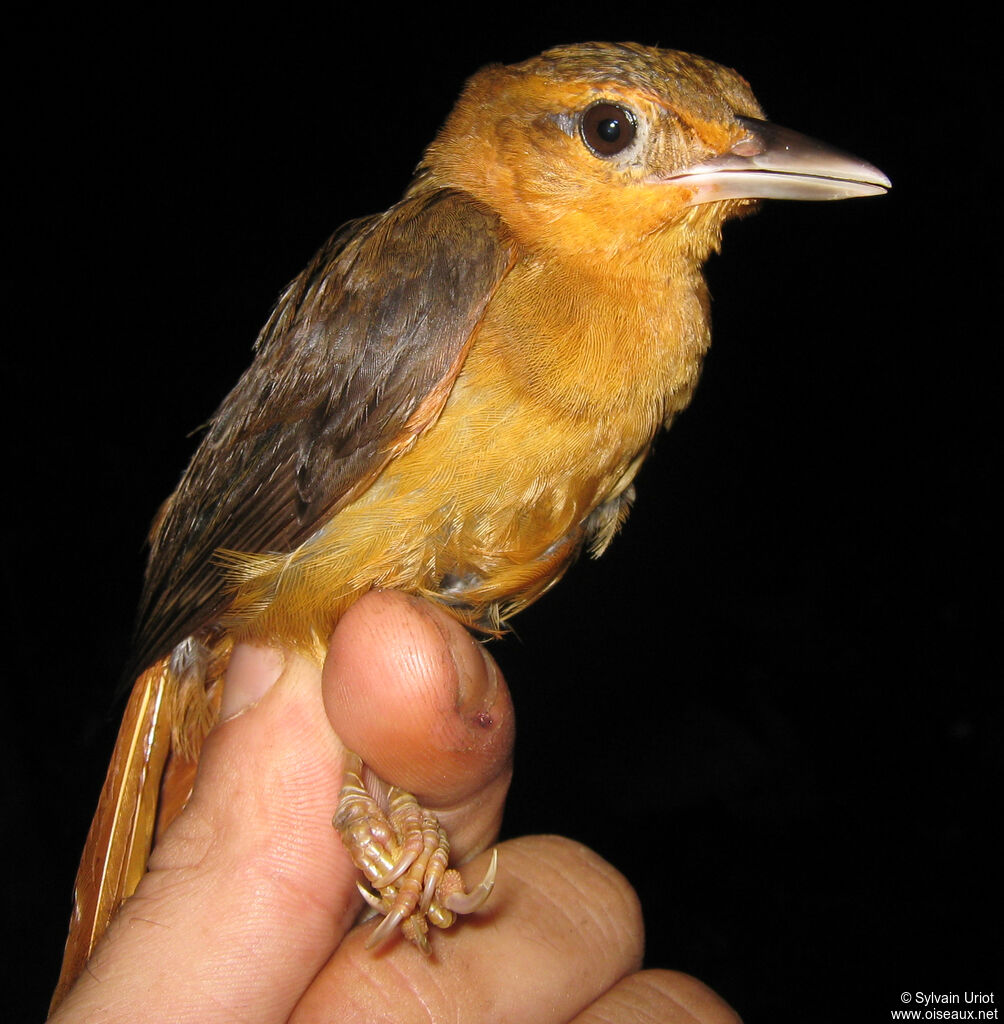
(247, 911)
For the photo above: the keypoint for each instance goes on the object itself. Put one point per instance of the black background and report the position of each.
(775, 703)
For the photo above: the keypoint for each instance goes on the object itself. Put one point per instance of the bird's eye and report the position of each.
(608, 129)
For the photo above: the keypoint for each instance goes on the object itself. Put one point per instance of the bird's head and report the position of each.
(599, 149)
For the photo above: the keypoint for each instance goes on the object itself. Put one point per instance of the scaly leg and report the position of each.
(403, 851)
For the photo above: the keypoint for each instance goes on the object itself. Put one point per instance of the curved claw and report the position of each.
(386, 927)
(374, 901)
(468, 902)
(403, 851)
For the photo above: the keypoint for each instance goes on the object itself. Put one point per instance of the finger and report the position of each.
(659, 997)
(425, 706)
(561, 922)
(249, 890)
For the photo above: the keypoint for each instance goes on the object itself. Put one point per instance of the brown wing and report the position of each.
(359, 347)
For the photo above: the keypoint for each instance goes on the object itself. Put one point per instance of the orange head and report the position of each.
(592, 150)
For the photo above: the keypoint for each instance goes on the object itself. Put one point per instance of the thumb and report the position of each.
(426, 708)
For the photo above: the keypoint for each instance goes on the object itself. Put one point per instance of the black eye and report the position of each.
(608, 129)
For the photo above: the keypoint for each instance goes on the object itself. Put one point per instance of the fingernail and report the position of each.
(477, 680)
(251, 673)
(477, 676)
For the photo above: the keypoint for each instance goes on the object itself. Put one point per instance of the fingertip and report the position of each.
(560, 919)
(689, 996)
(417, 696)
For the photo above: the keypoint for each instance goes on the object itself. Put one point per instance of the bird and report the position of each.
(453, 399)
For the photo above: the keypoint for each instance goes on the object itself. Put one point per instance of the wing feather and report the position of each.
(357, 358)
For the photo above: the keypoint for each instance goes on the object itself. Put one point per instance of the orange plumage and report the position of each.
(455, 396)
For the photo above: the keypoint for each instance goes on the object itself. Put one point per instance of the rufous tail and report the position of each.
(118, 843)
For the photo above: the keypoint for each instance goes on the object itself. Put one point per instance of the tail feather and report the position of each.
(119, 840)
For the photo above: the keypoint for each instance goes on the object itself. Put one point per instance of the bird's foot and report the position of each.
(403, 851)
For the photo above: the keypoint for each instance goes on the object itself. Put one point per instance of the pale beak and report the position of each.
(771, 162)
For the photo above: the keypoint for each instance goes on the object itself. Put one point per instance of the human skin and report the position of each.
(248, 910)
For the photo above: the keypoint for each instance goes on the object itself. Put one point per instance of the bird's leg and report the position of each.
(403, 851)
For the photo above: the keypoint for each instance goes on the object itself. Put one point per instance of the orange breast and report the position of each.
(549, 420)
